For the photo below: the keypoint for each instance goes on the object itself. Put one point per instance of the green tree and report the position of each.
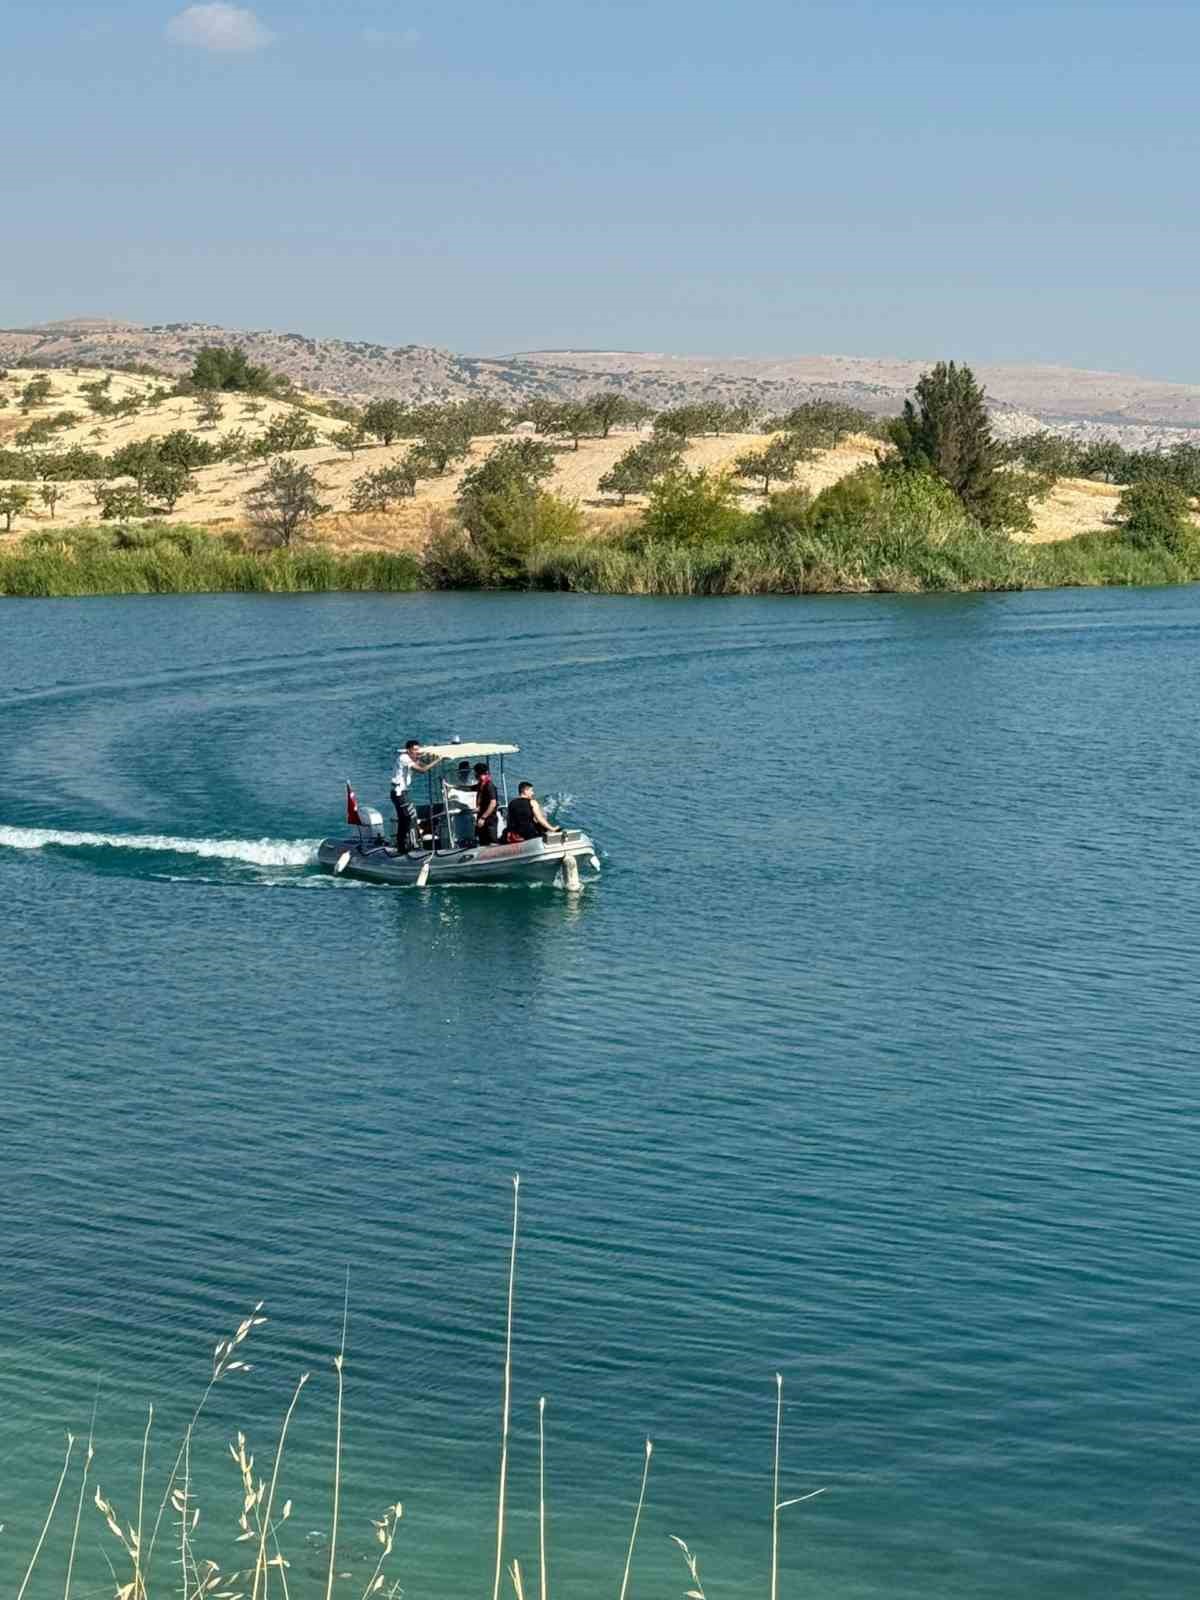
(446, 438)
(236, 445)
(185, 449)
(693, 508)
(209, 409)
(378, 490)
(35, 393)
(776, 462)
(610, 410)
(506, 525)
(50, 494)
(290, 430)
(38, 432)
(388, 420)
(1156, 512)
(523, 463)
(642, 465)
(118, 501)
(947, 432)
(1047, 453)
(134, 460)
(821, 424)
(285, 504)
(351, 439)
(14, 501)
(167, 482)
(223, 367)
(97, 395)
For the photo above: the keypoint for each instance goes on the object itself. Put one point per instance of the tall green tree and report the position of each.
(946, 431)
(224, 367)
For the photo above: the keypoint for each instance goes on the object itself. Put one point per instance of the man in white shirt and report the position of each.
(408, 765)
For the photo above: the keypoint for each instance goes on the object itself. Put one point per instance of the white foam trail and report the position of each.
(555, 805)
(255, 852)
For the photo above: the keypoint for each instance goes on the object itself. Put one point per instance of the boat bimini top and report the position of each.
(468, 752)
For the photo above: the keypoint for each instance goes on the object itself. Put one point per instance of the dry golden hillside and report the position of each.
(1074, 506)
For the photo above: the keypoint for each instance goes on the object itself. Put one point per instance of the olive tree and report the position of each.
(642, 465)
(776, 462)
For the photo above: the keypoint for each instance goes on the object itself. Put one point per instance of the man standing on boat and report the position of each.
(487, 805)
(408, 765)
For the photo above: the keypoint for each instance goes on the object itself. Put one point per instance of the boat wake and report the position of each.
(254, 852)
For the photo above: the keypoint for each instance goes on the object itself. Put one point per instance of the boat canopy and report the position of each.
(468, 752)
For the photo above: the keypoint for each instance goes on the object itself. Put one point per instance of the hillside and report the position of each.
(219, 496)
(1137, 410)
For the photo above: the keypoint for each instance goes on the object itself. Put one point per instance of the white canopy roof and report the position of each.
(468, 752)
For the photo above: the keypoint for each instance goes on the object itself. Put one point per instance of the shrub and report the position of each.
(506, 525)
(1155, 512)
(693, 508)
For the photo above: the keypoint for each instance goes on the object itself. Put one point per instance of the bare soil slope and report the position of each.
(219, 497)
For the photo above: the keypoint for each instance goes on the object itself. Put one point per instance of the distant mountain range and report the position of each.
(1138, 410)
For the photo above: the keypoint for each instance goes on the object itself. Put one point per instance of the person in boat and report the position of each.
(526, 819)
(487, 805)
(409, 763)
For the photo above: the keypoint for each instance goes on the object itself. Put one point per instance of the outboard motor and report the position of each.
(369, 829)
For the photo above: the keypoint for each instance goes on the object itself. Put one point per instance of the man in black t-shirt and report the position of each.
(487, 805)
(526, 819)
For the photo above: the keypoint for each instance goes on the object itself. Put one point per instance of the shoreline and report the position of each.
(196, 562)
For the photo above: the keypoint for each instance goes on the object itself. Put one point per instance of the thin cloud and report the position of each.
(221, 27)
(391, 38)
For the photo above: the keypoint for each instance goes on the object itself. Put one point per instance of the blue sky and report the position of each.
(1012, 183)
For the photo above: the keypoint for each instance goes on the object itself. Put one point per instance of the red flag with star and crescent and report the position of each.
(352, 816)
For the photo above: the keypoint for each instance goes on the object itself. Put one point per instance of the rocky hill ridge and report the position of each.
(1137, 410)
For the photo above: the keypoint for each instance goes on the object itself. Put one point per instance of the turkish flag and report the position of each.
(352, 816)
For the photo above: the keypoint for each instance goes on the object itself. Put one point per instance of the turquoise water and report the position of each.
(871, 1059)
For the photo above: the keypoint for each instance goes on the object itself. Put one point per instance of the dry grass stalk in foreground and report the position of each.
(512, 1284)
(203, 1579)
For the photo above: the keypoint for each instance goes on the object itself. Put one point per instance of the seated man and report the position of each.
(526, 819)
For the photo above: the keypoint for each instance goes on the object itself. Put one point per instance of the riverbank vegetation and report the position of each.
(150, 558)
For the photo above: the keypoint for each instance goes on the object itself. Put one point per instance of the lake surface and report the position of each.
(871, 1059)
